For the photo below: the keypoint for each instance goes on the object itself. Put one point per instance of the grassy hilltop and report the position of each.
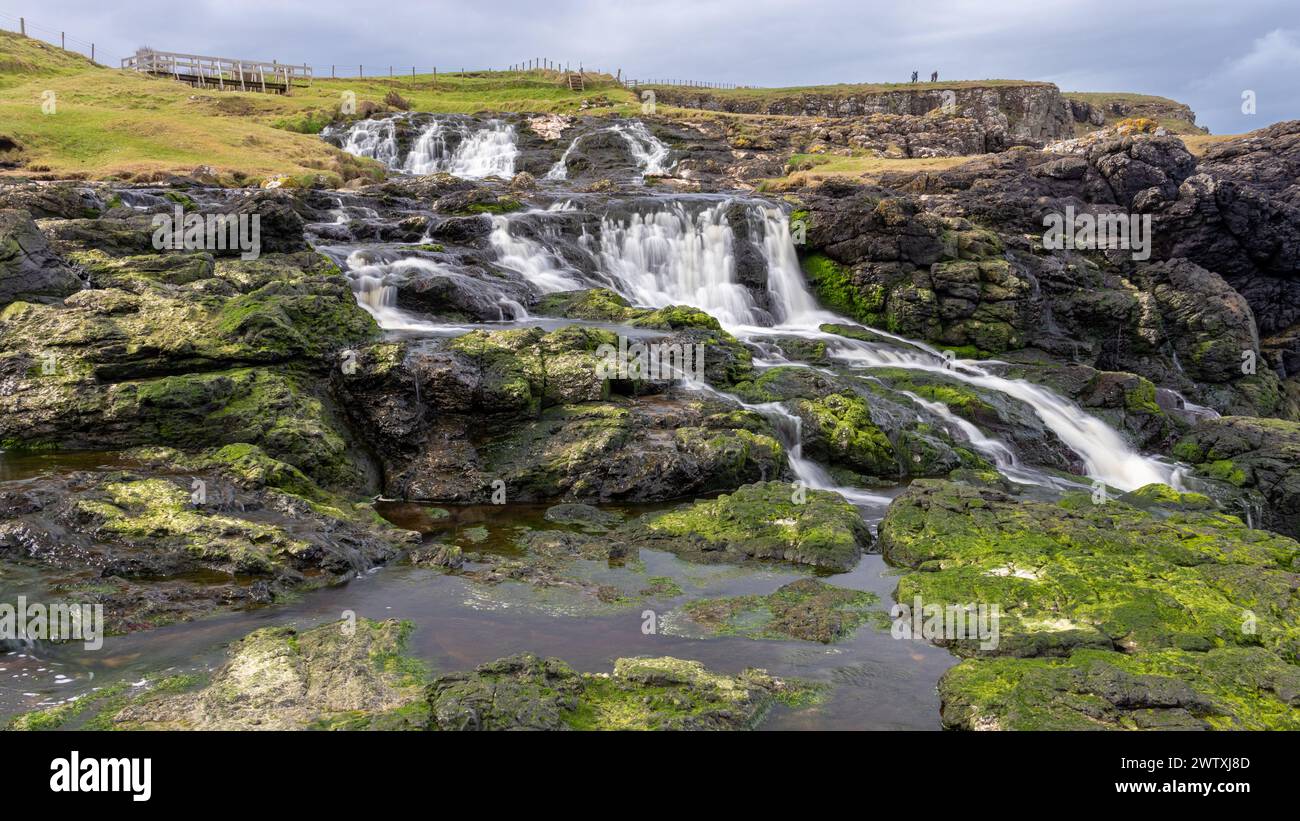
(114, 123)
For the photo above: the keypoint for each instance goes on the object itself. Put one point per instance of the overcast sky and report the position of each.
(1205, 54)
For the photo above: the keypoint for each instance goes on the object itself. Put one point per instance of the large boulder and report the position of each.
(29, 270)
(1260, 456)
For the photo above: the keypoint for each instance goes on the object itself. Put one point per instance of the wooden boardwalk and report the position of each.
(222, 73)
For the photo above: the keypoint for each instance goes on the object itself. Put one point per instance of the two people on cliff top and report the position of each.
(934, 76)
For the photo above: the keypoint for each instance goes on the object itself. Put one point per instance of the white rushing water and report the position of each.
(683, 253)
(648, 151)
(376, 283)
(481, 151)
(671, 257)
(488, 152)
(531, 259)
(674, 257)
(376, 139)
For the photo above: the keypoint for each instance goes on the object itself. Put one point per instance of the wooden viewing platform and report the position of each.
(223, 73)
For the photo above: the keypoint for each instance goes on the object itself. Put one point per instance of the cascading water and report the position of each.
(484, 151)
(673, 257)
(789, 428)
(675, 254)
(430, 153)
(376, 139)
(531, 259)
(1003, 457)
(649, 152)
(488, 152)
(376, 284)
(667, 257)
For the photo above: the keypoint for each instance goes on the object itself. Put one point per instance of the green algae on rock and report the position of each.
(1240, 688)
(1150, 610)
(765, 520)
(805, 609)
(342, 675)
(1077, 574)
(161, 546)
(527, 692)
(1259, 456)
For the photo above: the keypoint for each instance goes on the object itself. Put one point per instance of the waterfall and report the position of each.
(792, 301)
(649, 152)
(376, 139)
(429, 154)
(486, 151)
(376, 284)
(671, 257)
(789, 427)
(531, 259)
(675, 254)
(1003, 457)
(667, 257)
(560, 171)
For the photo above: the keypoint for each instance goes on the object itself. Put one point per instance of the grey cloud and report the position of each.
(1199, 52)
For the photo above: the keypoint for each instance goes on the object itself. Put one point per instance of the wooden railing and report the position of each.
(223, 73)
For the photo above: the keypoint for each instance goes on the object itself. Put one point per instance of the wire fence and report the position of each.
(30, 28)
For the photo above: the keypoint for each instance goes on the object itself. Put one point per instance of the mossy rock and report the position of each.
(1223, 689)
(528, 692)
(1076, 574)
(805, 609)
(342, 675)
(768, 520)
(835, 287)
(842, 430)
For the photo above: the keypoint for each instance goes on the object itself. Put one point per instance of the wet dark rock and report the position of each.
(45, 201)
(584, 517)
(156, 545)
(1261, 456)
(29, 270)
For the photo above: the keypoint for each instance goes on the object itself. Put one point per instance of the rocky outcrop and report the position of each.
(238, 529)
(1258, 456)
(355, 675)
(29, 270)
(531, 410)
(1093, 110)
(767, 520)
(1008, 114)
(954, 257)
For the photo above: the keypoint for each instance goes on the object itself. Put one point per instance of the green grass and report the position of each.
(98, 128)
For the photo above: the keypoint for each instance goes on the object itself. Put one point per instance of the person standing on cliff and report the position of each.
(934, 76)
(914, 75)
